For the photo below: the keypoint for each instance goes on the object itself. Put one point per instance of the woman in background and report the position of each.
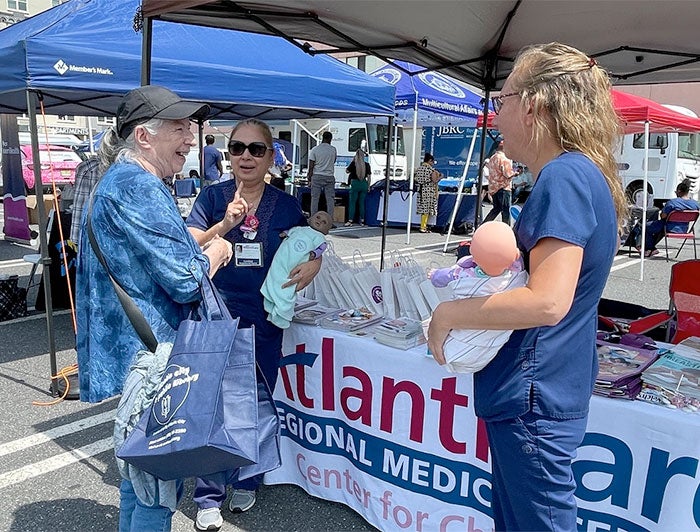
(360, 172)
(427, 179)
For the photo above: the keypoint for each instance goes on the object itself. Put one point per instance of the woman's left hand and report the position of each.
(303, 274)
(437, 335)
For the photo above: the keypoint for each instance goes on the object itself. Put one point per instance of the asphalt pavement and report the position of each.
(57, 470)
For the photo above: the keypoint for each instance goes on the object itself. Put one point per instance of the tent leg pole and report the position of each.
(458, 199)
(387, 188)
(43, 243)
(482, 157)
(146, 51)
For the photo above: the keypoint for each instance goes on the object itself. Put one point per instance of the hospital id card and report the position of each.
(248, 255)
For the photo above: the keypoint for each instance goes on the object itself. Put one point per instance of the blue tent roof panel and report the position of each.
(84, 54)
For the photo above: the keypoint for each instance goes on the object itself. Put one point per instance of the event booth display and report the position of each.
(395, 437)
(80, 57)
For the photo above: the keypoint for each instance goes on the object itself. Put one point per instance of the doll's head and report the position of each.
(321, 221)
(493, 247)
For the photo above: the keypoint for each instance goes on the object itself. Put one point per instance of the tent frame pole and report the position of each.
(146, 51)
(387, 189)
(32, 103)
(412, 169)
(645, 199)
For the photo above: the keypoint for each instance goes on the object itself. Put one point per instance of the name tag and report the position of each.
(249, 255)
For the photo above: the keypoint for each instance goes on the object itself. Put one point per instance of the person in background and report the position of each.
(426, 177)
(280, 167)
(522, 184)
(556, 115)
(359, 172)
(250, 214)
(657, 228)
(500, 176)
(322, 173)
(87, 175)
(151, 255)
(213, 169)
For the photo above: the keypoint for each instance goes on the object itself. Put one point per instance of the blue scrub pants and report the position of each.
(210, 491)
(134, 516)
(532, 482)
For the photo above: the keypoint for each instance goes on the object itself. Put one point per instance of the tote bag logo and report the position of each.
(174, 389)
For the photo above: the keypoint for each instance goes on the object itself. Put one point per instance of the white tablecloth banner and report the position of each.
(394, 436)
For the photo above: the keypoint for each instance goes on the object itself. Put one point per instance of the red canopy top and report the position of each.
(634, 111)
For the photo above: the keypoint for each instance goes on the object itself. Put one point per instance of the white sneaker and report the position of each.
(209, 519)
(241, 501)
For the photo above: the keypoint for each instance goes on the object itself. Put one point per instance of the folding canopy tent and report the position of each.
(79, 58)
(637, 41)
(428, 99)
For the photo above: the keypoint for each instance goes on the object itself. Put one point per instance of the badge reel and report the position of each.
(250, 227)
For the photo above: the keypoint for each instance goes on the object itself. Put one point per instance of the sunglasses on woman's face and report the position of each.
(256, 149)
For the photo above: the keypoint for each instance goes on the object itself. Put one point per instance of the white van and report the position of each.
(192, 162)
(348, 137)
(673, 157)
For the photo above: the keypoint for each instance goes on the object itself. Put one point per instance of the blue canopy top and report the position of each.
(84, 54)
(441, 99)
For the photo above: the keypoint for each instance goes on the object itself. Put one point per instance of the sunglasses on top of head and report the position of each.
(256, 149)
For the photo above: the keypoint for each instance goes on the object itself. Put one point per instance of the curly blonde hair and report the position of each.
(575, 93)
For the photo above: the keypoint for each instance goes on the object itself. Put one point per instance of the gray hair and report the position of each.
(115, 149)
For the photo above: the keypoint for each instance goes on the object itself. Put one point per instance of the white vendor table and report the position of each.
(394, 436)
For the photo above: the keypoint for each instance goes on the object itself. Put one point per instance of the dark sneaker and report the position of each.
(241, 501)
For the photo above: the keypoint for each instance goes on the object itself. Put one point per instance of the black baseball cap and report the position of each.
(153, 101)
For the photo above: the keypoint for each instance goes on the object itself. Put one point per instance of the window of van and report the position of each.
(656, 141)
(355, 137)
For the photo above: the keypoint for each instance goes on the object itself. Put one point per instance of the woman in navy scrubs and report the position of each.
(556, 116)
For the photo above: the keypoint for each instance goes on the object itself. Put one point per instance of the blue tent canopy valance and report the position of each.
(84, 54)
(438, 99)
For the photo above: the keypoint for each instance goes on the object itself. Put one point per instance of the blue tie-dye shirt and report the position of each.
(152, 255)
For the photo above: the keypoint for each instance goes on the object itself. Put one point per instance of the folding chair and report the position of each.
(689, 217)
(684, 305)
(35, 258)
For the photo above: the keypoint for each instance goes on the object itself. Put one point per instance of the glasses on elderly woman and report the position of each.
(256, 149)
(497, 101)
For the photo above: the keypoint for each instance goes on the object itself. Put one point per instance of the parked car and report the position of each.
(58, 165)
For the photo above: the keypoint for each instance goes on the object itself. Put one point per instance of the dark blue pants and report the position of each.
(501, 205)
(210, 491)
(532, 483)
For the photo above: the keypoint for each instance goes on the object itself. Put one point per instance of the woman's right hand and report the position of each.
(235, 212)
(219, 251)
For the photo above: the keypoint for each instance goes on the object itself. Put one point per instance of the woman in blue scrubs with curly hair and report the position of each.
(556, 116)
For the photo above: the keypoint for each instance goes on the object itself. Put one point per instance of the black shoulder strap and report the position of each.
(136, 317)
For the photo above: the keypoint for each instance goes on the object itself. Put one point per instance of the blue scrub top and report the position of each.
(551, 370)
(240, 286)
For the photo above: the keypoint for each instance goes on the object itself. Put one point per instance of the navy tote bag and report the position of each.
(213, 410)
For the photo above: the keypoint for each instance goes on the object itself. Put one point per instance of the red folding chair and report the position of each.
(684, 304)
(689, 217)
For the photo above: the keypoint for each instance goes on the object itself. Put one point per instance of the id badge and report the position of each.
(248, 255)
